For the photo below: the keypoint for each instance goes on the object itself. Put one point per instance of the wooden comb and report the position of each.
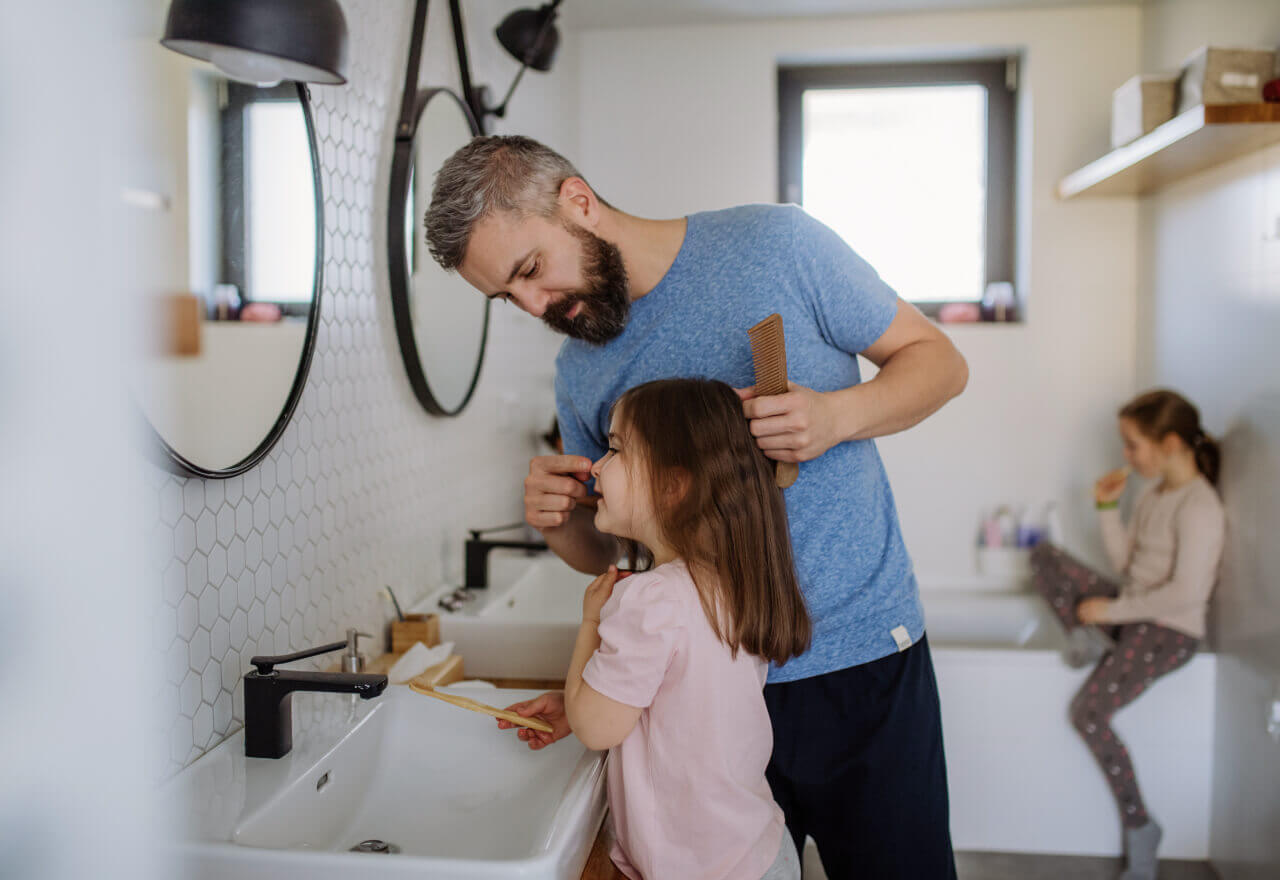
(769, 357)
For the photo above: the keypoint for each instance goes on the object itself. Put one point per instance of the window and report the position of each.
(267, 210)
(280, 202)
(912, 165)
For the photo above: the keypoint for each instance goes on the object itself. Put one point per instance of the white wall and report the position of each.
(364, 489)
(1210, 305)
(675, 120)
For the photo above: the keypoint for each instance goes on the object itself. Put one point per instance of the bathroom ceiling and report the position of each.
(591, 14)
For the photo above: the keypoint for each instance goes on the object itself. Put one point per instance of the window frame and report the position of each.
(998, 75)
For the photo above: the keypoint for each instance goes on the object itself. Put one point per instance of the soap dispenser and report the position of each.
(353, 660)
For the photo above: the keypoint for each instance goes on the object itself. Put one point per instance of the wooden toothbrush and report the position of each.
(476, 706)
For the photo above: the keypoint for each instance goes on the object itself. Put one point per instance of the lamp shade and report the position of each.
(519, 31)
(263, 41)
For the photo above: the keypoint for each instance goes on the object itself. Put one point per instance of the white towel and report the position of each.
(418, 660)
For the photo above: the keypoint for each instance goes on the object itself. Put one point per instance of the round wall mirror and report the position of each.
(441, 321)
(231, 213)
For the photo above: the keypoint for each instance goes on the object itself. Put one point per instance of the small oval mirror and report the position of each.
(441, 321)
(231, 214)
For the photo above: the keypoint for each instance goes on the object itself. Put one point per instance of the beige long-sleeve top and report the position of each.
(1168, 555)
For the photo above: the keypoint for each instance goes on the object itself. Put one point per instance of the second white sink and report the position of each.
(522, 627)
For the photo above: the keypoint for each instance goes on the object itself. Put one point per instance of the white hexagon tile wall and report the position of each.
(364, 489)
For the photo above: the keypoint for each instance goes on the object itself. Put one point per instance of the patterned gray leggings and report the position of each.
(1143, 652)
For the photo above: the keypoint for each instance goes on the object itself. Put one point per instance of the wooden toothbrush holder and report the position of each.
(423, 628)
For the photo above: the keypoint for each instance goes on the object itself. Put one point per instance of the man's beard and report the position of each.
(605, 296)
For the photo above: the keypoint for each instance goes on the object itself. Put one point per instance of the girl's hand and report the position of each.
(599, 592)
(550, 708)
(1092, 610)
(1110, 486)
(797, 425)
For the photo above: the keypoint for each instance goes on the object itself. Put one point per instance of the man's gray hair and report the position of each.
(489, 174)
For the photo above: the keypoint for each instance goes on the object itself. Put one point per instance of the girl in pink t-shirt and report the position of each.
(670, 663)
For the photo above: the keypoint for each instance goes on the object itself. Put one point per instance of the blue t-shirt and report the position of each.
(734, 268)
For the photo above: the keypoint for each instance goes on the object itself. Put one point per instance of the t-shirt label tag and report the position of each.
(901, 636)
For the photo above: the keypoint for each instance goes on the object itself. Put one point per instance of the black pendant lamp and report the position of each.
(263, 41)
(529, 35)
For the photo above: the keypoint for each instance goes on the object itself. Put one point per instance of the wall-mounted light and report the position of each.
(262, 41)
(528, 35)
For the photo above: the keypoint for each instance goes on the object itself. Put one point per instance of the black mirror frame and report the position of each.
(412, 102)
(159, 449)
(398, 260)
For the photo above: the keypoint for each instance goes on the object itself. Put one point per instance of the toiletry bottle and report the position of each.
(353, 660)
(1008, 527)
(991, 531)
(999, 302)
(226, 299)
(1027, 531)
(1052, 524)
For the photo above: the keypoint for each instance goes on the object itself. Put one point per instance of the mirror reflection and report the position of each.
(441, 321)
(232, 215)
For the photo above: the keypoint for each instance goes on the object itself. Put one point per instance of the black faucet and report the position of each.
(268, 703)
(477, 553)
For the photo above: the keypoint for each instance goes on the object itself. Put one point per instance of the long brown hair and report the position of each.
(1161, 412)
(718, 509)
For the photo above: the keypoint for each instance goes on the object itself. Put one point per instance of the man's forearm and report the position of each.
(913, 384)
(580, 544)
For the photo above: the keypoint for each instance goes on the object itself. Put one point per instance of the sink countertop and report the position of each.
(445, 672)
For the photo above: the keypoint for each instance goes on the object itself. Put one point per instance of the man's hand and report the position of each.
(550, 708)
(553, 488)
(798, 425)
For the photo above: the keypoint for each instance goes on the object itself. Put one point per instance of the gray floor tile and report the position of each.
(1037, 866)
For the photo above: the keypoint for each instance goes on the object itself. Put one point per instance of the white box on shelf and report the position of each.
(1214, 75)
(1141, 105)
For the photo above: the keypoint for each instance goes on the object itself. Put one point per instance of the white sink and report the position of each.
(523, 626)
(458, 797)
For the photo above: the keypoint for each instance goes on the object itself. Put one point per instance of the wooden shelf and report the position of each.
(1192, 141)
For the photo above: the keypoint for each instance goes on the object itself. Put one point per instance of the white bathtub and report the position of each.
(1020, 778)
